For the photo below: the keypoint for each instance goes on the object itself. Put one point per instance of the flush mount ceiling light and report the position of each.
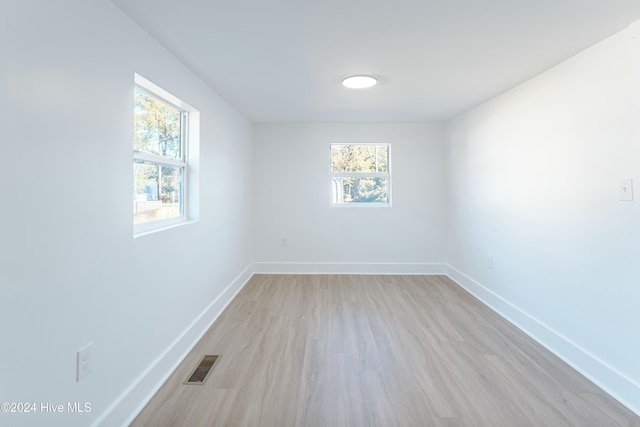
(360, 81)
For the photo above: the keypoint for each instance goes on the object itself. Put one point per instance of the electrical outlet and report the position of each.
(84, 359)
(626, 190)
(284, 241)
(490, 262)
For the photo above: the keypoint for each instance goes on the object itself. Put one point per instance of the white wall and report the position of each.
(292, 192)
(70, 271)
(533, 180)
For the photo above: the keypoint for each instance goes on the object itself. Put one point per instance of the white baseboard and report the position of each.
(130, 403)
(348, 268)
(612, 381)
(132, 400)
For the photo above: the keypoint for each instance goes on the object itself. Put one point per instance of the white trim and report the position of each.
(266, 267)
(187, 163)
(619, 386)
(127, 406)
(134, 398)
(359, 205)
(151, 227)
(161, 160)
(379, 144)
(160, 93)
(386, 175)
(360, 174)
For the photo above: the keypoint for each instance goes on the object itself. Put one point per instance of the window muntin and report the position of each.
(159, 160)
(158, 192)
(360, 174)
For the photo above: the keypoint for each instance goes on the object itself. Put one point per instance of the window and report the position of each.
(160, 161)
(360, 174)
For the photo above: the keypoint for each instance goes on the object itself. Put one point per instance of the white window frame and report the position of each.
(189, 137)
(387, 175)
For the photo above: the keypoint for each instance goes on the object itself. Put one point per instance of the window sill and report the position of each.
(360, 205)
(153, 227)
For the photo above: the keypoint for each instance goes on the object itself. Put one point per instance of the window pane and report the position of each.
(157, 192)
(383, 158)
(360, 190)
(156, 127)
(359, 158)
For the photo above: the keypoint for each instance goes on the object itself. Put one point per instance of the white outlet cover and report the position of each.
(626, 190)
(84, 361)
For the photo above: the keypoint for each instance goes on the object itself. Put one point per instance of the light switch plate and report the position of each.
(626, 189)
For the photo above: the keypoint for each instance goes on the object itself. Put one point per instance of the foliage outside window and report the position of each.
(159, 160)
(360, 174)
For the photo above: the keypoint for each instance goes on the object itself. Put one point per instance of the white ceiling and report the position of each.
(282, 60)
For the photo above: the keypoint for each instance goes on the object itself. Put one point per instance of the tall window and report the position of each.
(159, 158)
(361, 174)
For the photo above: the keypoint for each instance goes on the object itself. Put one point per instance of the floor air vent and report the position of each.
(200, 374)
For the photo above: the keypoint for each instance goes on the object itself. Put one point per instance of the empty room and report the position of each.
(320, 213)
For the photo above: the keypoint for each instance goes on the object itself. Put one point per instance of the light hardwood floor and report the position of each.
(353, 350)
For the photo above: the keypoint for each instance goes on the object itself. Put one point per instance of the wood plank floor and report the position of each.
(352, 350)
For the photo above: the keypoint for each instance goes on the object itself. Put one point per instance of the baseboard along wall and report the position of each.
(131, 402)
(134, 398)
(348, 268)
(622, 388)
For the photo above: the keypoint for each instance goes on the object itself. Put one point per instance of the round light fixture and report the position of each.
(360, 81)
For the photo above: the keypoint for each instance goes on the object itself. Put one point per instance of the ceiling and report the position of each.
(283, 60)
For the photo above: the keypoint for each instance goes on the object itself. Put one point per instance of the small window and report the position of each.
(361, 174)
(160, 162)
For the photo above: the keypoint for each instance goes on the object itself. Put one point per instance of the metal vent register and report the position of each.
(200, 374)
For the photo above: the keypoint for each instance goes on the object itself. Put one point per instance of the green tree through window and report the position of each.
(159, 162)
(360, 173)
